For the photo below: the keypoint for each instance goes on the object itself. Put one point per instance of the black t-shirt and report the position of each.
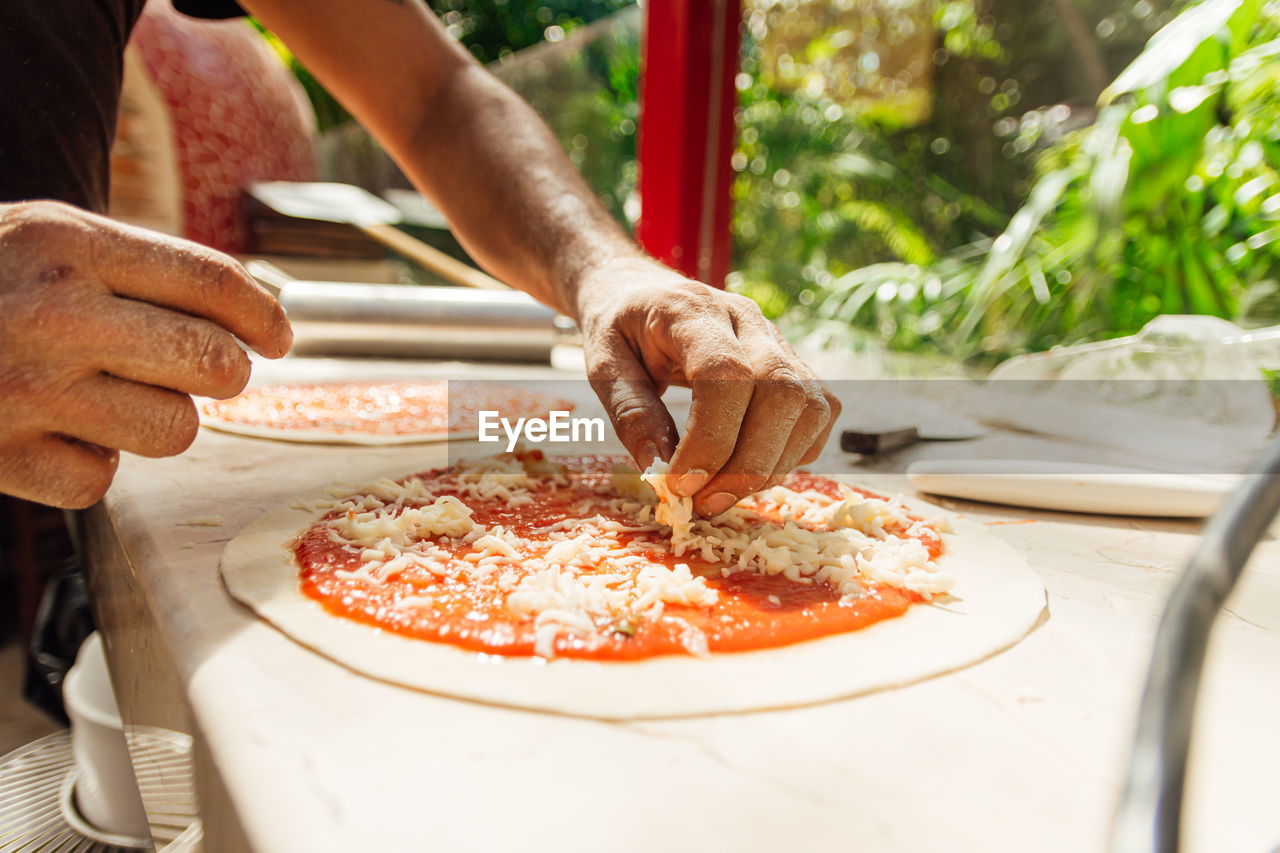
(61, 63)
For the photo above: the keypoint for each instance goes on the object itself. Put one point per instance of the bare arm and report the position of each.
(522, 210)
(512, 198)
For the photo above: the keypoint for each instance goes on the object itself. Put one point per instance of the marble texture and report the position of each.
(1022, 751)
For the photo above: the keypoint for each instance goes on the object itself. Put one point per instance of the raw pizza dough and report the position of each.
(517, 402)
(322, 437)
(996, 600)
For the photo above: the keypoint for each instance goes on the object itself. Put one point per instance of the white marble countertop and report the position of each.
(1022, 751)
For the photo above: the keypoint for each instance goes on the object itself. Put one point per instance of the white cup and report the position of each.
(105, 792)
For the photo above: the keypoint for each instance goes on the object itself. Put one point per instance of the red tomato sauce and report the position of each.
(472, 614)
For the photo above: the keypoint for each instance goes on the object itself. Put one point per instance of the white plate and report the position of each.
(1073, 487)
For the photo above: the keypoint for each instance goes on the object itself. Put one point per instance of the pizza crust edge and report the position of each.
(996, 601)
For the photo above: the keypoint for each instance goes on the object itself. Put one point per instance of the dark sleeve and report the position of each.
(61, 65)
(209, 8)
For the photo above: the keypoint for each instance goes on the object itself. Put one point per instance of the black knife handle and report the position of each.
(873, 442)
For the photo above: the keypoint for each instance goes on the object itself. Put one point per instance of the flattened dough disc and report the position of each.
(996, 600)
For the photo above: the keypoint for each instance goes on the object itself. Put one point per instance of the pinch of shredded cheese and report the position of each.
(849, 543)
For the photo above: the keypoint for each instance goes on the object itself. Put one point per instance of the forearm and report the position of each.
(520, 207)
(512, 197)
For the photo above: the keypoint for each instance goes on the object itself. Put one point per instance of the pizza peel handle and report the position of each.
(1150, 811)
(352, 205)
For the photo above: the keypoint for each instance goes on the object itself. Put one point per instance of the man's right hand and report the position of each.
(105, 331)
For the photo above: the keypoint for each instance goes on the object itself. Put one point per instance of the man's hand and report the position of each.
(104, 332)
(758, 411)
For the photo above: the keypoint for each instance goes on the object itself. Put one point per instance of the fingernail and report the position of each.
(648, 454)
(104, 452)
(719, 502)
(689, 484)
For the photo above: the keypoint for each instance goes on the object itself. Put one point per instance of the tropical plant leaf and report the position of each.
(1172, 46)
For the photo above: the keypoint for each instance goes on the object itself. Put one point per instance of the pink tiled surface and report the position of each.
(238, 115)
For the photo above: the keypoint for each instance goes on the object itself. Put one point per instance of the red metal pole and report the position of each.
(687, 100)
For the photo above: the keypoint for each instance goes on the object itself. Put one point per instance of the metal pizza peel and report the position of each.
(351, 205)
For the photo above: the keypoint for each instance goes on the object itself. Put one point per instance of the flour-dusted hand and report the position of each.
(104, 332)
(758, 410)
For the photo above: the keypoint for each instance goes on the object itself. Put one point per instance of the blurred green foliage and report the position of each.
(1168, 203)
(1002, 77)
(1004, 211)
(588, 93)
(490, 29)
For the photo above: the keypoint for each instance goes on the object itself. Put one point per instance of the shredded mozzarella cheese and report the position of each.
(849, 541)
(576, 578)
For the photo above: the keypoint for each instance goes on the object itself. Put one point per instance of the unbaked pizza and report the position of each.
(371, 411)
(579, 584)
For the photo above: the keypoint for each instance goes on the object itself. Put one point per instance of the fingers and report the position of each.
(642, 422)
(193, 279)
(807, 434)
(817, 394)
(719, 373)
(65, 451)
(815, 449)
(757, 412)
(777, 420)
(57, 471)
(716, 418)
(104, 329)
(165, 348)
(116, 413)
